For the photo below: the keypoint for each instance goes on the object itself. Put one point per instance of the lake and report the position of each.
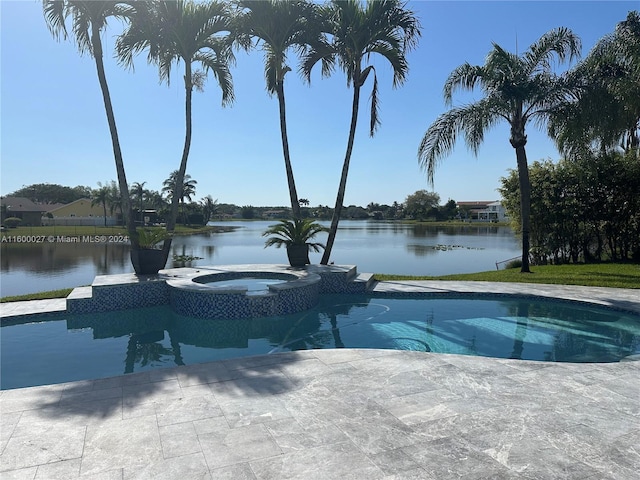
(374, 246)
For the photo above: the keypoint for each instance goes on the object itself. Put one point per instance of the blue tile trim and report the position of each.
(199, 303)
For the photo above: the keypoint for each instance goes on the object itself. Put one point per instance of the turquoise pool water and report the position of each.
(64, 348)
(254, 285)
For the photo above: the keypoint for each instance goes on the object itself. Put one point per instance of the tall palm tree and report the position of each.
(209, 207)
(189, 32)
(279, 26)
(357, 30)
(517, 89)
(89, 20)
(155, 200)
(138, 192)
(100, 196)
(188, 190)
(115, 199)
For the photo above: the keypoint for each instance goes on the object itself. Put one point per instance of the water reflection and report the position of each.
(60, 257)
(157, 336)
(143, 349)
(106, 344)
(522, 315)
(376, 247)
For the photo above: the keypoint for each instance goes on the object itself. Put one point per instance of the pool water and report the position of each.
(74, 347)
(254, 286)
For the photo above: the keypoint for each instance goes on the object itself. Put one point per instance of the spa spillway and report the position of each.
(244, 292)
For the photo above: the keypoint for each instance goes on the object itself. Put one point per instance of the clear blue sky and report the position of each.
(54, 128)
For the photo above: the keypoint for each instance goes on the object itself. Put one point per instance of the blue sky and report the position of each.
(54, 129)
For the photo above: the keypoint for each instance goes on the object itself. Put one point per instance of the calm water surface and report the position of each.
(376, 247)
(106, 344)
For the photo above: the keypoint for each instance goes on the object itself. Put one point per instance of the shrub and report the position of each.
(12, 222)
(513, 264)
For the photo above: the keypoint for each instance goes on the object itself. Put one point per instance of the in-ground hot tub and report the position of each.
(244, 291)
(254, 283)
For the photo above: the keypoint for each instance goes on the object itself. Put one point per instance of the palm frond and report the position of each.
(322, 52)
(279, 26)
(294, 232)
(465, 77)
(374, 121)
(472, 120)
(181, 31)
(55, 13)
(560, 41)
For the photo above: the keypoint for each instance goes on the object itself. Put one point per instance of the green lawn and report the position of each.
(617, 275)
(38, 296)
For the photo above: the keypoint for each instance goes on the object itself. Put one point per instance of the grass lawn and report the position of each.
(62, 293)
(615, 275)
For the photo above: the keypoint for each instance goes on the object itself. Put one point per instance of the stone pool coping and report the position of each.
(186, 279)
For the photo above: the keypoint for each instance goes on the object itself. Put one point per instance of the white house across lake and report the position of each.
(489, 211)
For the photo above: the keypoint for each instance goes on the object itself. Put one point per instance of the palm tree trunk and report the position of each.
(177, 189)
(293, 194)
(525, 204)
(117, 153)
(345, 172)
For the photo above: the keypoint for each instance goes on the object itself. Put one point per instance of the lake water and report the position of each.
(374, 246)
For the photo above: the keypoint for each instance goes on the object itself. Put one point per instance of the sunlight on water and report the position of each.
(106, 344)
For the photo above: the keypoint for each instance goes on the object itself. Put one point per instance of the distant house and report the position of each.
(79, 212)
(269, 214)
(482, 211)
(22, 208)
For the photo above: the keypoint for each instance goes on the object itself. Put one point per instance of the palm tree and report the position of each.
(209, 207)
(605, 112)
(188, 189)
(189, 32)
(115, 199)
(517, 88)
(89, 19)
(100, 196)
(138, 192)
(279, 26)
(156, 202)
(383, 27)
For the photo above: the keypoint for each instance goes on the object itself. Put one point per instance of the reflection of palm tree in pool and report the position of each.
(145, 349)
(522, 322)
(336, 332)
(175, 348)
(306, 333)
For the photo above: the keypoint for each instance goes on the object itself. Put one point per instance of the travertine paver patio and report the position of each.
(332, 414)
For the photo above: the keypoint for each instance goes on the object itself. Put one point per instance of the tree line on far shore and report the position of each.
(421, 205)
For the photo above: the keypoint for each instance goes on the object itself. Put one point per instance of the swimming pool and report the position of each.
(64, 347)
